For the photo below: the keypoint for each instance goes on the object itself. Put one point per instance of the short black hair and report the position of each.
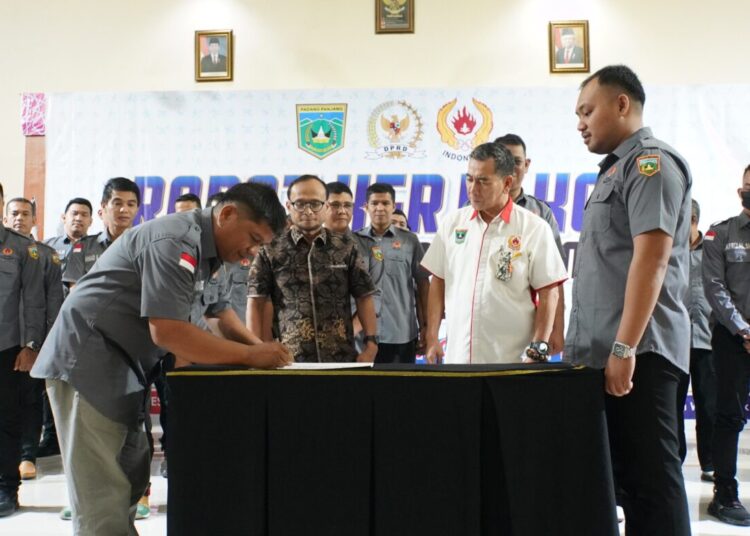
(336, 188)
(511, 139)
(120, 184)
(381, 188)
(696, 210)
(399, 212)
(504, 162)
(214, 199)
(261, 201)
(2, 192)
(304, 178)
(22, 200)
(189, 198)
(79, 201)
(623, 78)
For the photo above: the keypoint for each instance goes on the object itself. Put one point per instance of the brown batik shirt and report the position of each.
(310, 286)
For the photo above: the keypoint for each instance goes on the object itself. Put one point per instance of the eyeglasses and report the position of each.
(314, 206)
(336, 206)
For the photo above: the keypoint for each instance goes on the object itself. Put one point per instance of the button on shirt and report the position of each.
(100, 343)
(394, 261)
(84, 255)
(310, 286)
(490, 272)
(697, 304)
(644, 185)
(21, 279)
(726, 272)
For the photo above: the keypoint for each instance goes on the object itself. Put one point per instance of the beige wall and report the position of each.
(79, 45)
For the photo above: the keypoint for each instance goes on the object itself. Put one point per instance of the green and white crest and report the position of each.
(321, 128)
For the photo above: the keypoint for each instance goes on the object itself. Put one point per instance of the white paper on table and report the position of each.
(325, 366)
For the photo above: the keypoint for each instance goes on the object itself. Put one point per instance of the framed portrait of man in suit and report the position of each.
(569, 46)
(214, 55)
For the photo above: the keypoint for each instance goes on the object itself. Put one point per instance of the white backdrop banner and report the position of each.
(418, 140)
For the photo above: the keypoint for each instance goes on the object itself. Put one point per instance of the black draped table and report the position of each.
(389, 451)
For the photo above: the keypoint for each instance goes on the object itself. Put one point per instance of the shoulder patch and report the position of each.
(7, 252)
(649, 165)
(710, 235)
(55, 258)
(33, 252)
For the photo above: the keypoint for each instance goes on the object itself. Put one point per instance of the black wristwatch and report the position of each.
(371, 338)
(538, 351)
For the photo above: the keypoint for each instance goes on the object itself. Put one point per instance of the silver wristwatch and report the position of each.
(622, 350)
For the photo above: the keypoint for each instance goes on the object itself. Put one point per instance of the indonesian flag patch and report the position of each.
(710, 235)
(78, 247)
(188, 262)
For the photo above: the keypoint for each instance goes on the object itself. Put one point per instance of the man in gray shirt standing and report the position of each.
(130, 309)
(726, 278)
(702, 374)
(20, 215)
(394, 256)
(21, 279)
(628, 314)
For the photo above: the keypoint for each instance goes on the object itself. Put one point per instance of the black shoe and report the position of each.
(729, 511)
(48, 447)
(8, 503)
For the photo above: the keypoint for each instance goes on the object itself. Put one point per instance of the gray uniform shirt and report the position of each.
(53, 289)
(394, 264)
(697, 304)
(644, 185)
(211, 296)
(63, 245)
(541, 209)
(100, 343)
(726, 272)
(84, 255)
(21, 279)
(238, 272)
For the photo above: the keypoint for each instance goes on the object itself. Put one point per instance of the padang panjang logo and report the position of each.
(463, 129)
(395, 130)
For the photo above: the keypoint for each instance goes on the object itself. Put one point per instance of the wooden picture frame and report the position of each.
(214, 55)
(569, 46)
(394, 16)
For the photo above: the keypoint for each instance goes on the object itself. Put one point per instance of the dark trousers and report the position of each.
(397, 353)
(703, 378)
(10, 420)
(32, 392)
(732, 365)
(644, 445)
(49, 433)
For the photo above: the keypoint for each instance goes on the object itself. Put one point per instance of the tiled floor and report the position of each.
(42, 499)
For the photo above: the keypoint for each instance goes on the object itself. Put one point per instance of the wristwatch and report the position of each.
(33, 346)
(371, 338)
(538, 351)
(622, 350)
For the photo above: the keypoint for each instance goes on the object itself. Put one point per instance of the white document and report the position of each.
(325, 366)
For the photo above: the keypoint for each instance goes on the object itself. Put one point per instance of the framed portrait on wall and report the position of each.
(394, 16)
(569, 46)
(214, 55)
